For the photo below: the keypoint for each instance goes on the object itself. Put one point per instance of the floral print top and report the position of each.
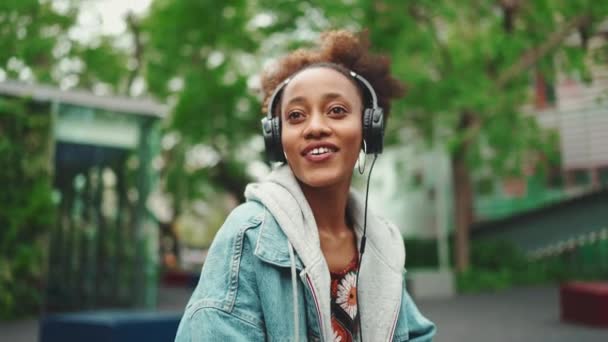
(344, 302)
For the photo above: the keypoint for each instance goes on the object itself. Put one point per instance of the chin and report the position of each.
(322, 178)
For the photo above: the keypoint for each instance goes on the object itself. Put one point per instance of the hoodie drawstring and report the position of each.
(294, 287)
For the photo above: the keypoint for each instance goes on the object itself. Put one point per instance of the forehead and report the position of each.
(319, 81)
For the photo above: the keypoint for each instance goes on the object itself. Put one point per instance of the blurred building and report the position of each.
(411, 186)
(563, 213)
(104, 247)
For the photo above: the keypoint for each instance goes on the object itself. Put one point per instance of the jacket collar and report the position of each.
(289, 217)
(386, 244)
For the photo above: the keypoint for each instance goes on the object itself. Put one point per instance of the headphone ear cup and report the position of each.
(367, 123)
(373, 130)
(267, 134)
(367, 127)
(279, 156)
(271, 130)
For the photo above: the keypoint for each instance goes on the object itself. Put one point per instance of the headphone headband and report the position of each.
(356, 76)
(274, 95)
(369, 87)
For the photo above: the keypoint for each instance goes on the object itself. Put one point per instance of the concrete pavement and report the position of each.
(525, 314)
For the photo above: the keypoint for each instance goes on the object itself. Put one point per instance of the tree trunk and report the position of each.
(463, 205)
(463, 191)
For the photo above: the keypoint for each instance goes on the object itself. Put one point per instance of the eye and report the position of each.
(295, 116)
(338, 110)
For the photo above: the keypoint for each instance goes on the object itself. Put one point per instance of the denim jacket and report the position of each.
(265, 277)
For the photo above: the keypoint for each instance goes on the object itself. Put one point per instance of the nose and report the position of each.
(317, 126)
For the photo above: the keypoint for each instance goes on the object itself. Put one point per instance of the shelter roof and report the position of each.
(121, 104)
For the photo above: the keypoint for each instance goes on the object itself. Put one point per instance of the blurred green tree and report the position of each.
(202, 57)
(469, 67)
(38, 44)
(31, 31)
(27, 212)
(198, 55)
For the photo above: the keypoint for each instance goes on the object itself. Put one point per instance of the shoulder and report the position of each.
(392, 234)
(391, 227)
(387, 241)
(227, 279)
(243, 215)
(233, 240)
(231, 243)
(388, 231)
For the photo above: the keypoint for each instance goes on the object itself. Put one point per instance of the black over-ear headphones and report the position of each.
(373, 122)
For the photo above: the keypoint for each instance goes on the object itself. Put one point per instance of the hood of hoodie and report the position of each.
(382, 263)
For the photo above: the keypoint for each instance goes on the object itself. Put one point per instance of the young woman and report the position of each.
(290, 263)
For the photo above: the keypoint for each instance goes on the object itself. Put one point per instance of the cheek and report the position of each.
(354, 150)
(355, 135)
(289, 140)
(355, 140)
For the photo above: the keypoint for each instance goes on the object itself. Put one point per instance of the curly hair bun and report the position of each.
(344, 48)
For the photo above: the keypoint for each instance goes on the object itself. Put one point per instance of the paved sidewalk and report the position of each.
(19, 331)
(525, 314)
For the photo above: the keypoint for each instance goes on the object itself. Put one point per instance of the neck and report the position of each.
(328, 205)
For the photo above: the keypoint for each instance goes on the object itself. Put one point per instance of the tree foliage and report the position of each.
(30, 32)
(27, 212)
(38, 45)
(470, 69)
(209, 72)
(468, 66)
(205, 72)
(474, 58)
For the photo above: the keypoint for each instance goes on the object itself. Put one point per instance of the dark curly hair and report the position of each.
(346, 51)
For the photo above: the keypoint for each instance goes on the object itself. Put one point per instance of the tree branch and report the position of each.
(509, 8)
(138, 51)
(530, 57)
(419, 14)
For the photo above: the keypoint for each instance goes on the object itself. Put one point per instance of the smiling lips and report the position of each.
(319, 152)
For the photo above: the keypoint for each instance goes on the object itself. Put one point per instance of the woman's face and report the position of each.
(321, 126)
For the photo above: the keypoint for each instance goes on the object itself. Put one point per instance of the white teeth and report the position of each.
(320, 150)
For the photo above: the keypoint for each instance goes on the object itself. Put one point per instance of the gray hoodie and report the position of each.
(381, 283)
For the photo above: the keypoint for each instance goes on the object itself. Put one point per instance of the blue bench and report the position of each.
(109, 326)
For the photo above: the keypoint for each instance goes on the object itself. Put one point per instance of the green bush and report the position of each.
(495, 255)
(497, 265)
(27, 212)
(478, 280)
(421, 253)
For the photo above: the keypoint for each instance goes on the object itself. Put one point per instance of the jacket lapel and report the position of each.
(379, 301)
(271, 247)
(381, 274)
